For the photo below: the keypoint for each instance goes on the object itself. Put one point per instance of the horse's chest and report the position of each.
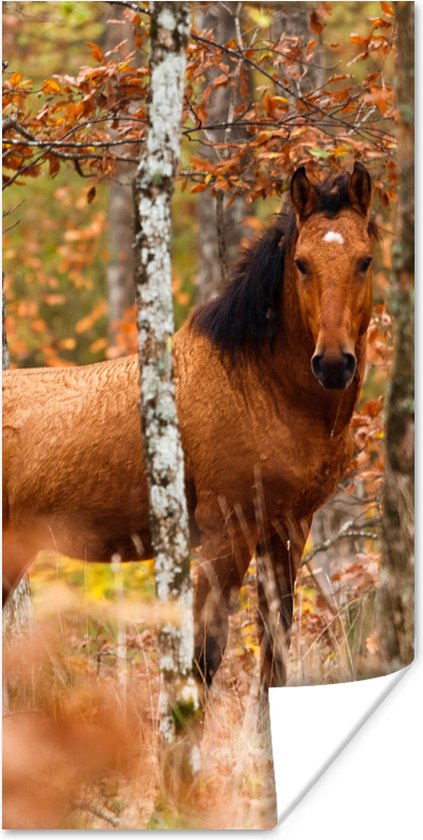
(298, 471)
(242, 442)
(277, 459)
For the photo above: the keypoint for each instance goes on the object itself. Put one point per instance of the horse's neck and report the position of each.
(291, 360)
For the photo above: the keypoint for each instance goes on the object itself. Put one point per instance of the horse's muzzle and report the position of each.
(334, 372)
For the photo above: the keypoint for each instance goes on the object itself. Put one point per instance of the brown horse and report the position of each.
(268, 375)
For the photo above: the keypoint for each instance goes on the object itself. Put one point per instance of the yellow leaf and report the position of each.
(67, 343)
(51, 86)
(260, 18)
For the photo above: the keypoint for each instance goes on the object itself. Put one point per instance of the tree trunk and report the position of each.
(396, 595)
(220, 227)
(120, 235)
(293, 20)
(18, 616)
(163, 453)
(120, 223)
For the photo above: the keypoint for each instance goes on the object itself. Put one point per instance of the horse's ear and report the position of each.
(360, 189)
(303, 194)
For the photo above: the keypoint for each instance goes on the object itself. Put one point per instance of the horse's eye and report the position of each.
(302, 268)
(364, 264)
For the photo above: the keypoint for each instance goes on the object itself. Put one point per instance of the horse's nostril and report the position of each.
(316, 365)
(334, 371)
(350, 364)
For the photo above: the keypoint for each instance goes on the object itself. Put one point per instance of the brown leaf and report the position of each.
(221, 80)
(96, 52)
(53, 165)
(91, 194)
(382, 97)
(372, 408)
(316, 25)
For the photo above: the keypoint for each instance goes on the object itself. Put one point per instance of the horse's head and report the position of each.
(332, 258)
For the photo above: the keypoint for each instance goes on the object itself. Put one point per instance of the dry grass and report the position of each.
(333, 635)
(81, 747)
(80, 738)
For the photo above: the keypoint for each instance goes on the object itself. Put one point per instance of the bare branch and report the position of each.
(82, 805)
(346, 531)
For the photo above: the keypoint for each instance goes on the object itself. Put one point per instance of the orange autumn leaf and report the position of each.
(356, 38)
(98, 345)
(387, 8)
(316, 25)
(381, 97)
(96, 51)
(87, 322)
(198, 188)
(221, 80)
(15, 78)
(51, 86)
(55, 300)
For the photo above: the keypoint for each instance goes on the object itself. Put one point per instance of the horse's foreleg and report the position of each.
(217, 586)
(278, 559)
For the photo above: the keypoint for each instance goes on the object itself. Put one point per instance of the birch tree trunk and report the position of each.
(163, 453)
(396, 595)
(18, 614)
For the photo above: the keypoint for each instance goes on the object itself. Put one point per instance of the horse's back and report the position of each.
(73, 450)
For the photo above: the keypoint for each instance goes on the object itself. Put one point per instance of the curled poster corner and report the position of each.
(318, 722)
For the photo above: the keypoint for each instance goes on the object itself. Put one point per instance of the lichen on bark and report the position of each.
(153, 189)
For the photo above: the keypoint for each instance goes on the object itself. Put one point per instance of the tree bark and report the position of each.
(396, 595)
(293, 20)
(163, 452)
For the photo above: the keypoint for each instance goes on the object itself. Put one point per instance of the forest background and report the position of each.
(69, 297)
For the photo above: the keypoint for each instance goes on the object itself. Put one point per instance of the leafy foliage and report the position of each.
(98, 116)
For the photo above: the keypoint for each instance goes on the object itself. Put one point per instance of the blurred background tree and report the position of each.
(396, 596)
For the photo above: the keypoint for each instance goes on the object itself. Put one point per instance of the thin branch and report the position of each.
(53, 144)
(345, 532)
(82, 805)
(134, 6)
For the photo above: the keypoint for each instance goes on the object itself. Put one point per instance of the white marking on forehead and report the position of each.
(334, 236)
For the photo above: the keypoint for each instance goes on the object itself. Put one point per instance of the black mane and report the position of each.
(247, 312)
